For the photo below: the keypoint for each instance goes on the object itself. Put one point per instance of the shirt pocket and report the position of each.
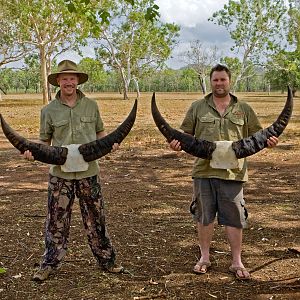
(88, 119)
(236, 126)
(206, 127)
(88, 123)
(61, 130)
(60, 123)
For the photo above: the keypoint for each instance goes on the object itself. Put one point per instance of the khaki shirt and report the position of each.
(204, 121)
(65, 125)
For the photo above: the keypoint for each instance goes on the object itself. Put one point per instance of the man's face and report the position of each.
(220, 83)
(68, 83)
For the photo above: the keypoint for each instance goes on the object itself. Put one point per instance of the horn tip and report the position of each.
(153, 96)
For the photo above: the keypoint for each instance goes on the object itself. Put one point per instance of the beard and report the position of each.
(220, 92)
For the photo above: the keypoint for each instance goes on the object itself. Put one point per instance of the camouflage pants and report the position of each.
(61, 195)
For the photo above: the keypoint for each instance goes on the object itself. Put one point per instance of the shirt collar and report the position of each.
(209, 99)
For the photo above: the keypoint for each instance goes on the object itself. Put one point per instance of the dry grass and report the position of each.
(25, 117)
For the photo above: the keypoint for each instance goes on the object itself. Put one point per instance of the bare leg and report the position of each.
(205, 233)
(235, 237)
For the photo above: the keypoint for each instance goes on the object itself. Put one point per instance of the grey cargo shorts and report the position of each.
(222, 198)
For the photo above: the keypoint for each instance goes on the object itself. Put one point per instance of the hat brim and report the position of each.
(82, 77)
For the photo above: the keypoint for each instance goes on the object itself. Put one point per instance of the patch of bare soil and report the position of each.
(148, 192)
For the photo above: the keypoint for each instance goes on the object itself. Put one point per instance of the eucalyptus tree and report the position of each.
(132, 45)
(284, 66)
(11, 44)
(6, 76)
(284, 70)
(11, 47)
(255, 26)
(294, 24)
(97, 76)
(48, 28)
(200, 58)
(32, 72)
(85, 8)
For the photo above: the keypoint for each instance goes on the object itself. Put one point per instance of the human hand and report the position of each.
(28, 155)
(115, 147)
(175, 145)
(272, 141)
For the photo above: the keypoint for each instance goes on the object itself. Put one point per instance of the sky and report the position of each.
(192, 16)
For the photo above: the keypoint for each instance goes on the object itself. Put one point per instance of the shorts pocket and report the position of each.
(244, 208)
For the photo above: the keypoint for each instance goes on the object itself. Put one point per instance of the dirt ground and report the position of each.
(147, 189)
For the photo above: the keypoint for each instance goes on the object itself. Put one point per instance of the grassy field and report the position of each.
(22, 112)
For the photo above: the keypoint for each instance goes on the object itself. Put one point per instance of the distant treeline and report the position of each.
(183, 80)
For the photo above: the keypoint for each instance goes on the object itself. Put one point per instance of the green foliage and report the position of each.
(152, 13)
(294, 24)
(97, 76)
(234, 65)
(2, 270)
(256, 27)
(47, 28)
(132, 45)
(12, 47)
(95, 12)
(284, 69)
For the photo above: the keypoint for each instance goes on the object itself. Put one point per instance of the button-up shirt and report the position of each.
(205, 122)
(65, 125)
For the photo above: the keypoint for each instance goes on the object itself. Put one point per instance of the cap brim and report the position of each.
(82, 77)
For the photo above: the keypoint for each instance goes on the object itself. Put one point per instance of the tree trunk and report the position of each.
(44, 75)
(125, 87)
(202, 84)
(2, 90)
(125, 93)
(136, 83)
(48, 71)
(3, 93)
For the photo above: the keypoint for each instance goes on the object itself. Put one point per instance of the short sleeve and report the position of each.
(46, 128)
(188, 123)
(253, 121)
(99, 122)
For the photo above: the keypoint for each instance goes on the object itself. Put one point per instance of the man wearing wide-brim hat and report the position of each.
(72, 119)
(67, 67)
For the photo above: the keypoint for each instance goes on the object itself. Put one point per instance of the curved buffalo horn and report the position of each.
(96, 149)
(197, 147)
(41, 152)
(258, 141)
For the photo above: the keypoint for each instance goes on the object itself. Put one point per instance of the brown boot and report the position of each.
(43, 274)
(115, 269)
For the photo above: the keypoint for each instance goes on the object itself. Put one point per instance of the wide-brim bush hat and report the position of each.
(67, 67)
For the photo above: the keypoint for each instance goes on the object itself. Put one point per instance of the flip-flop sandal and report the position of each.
(235, 270)
(198, 266)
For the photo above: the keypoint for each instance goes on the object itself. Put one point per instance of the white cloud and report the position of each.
(188, 13)
(192, 16)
